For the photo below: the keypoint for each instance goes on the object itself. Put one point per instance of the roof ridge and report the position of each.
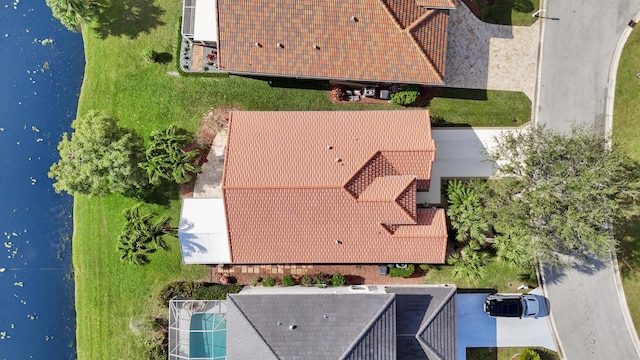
(388, 11)
(420, 19)
(411, 183)
(277, 187)
(424, 55)
(244, 316)
(374, 319)
(428, 322)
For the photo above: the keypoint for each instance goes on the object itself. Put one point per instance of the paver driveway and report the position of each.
(487, 56)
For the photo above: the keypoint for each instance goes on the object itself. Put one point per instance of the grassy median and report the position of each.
(112, 297)
(626, 133)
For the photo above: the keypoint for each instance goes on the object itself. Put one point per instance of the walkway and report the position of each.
(487, 56)
(460, 153)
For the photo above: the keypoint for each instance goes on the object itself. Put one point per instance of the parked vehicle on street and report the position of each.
(511, 305)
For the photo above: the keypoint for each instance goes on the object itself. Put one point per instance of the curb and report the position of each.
(536, 96)
(613, 72)
(550, 321)
(623, 303)
(608, 128)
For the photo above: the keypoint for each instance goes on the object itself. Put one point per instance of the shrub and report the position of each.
(406, 97)
(287, 280)
(424, 267)
(216, 292)
(306, 280)
(529, 354)
(338, 280)
(399, 272)
(181, 288)
(154, 349)
(322, 279)
(268, 281)
(255, 281)
(150, 55)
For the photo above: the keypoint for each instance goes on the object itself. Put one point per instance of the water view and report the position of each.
(41, 67)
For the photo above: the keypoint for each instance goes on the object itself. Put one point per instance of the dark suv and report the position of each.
(511, 305)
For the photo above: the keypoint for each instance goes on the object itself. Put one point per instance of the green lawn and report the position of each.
(460, 107)
(109, 293)
(509, 12)
(626, 133)
(498, 275)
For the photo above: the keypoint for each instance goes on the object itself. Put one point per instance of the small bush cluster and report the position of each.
(306, 280)
(337, 93)
(399, 272)
(216, 292)
(288, 280)
(529, 354)
(406, 97)
(181, 288)
(268, 281)
(150, 55)
(338, 280)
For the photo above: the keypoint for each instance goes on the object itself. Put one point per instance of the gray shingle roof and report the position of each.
(406, 323)
(426, 322)
(327, 326)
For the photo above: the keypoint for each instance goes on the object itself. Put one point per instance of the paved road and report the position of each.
(590, 316)
(576, 58)
(587, 312)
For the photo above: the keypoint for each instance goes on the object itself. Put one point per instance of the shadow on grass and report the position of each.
(500, 11)
(164, 58)
(628, 236)
(127, 18)
(291, 83)
(162, 194)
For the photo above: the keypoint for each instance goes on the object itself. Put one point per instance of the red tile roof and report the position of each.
(368, 40)
(330, 187)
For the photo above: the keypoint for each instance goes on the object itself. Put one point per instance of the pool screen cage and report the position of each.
(182, 331)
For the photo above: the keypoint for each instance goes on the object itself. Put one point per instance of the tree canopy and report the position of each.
(100, 158)
(558, 194)
(72, 13)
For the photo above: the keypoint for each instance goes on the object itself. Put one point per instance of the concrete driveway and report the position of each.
(487, 56)
(476, 329)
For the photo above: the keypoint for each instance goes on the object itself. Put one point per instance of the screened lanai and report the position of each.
(197, 329)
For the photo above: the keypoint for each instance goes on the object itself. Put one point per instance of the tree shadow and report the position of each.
(127, 18)
(161, 194)
(500, 11)
(164, 58)
(628, 252)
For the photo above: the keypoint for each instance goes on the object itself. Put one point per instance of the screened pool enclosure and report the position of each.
(197, 329)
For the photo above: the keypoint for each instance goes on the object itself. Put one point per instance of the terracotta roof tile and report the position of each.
(432, 47)
(318, 39)
(437, 4)
(285, 197)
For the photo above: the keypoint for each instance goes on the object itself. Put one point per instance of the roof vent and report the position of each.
(316, 47)
(353, 18)
(326, 316)
(338, 242)
(338, 160)
(329, 147)
(293, 327)
(279, 45)
(278, 323)
(257, 44)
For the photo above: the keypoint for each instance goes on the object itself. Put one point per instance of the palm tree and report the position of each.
(166, 158)
(143, 235)
(466, 212)
(72, 13)
(469, 263)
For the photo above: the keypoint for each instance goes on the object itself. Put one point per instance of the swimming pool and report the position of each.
(208, 336)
